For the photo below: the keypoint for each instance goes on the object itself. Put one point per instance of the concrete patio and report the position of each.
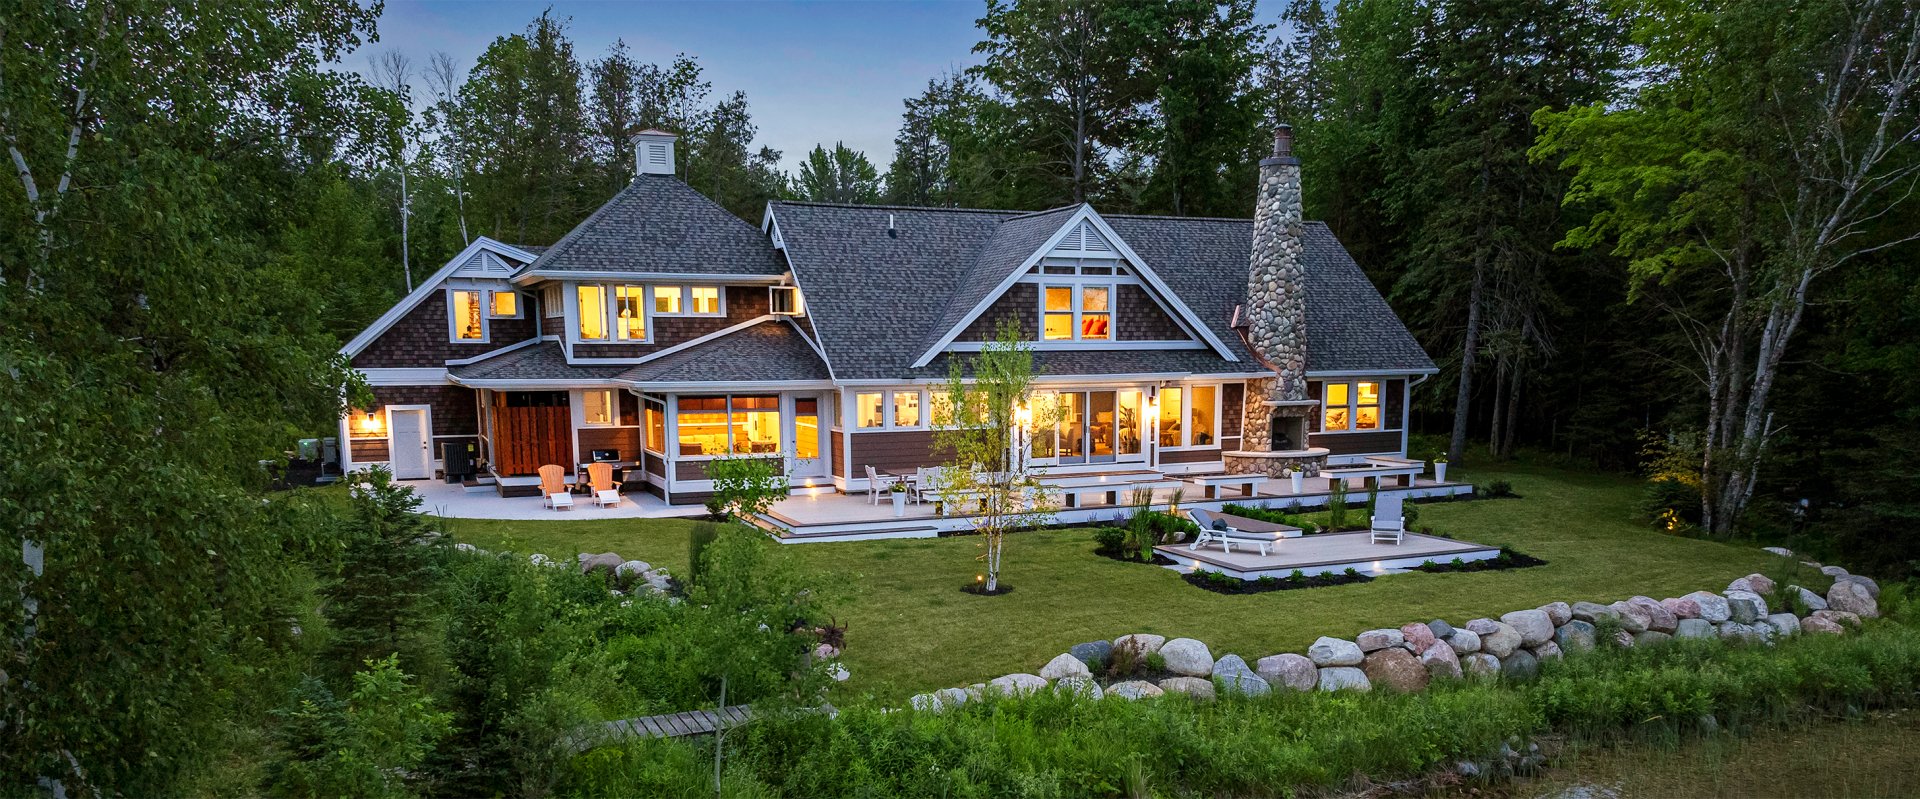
(453, 501)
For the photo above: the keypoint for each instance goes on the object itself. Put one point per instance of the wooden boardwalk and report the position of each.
(679, 725)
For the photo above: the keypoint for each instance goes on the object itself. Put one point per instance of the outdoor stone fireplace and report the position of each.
(1281, 426)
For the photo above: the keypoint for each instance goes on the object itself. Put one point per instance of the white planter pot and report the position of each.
(899, 502)
(1440, 471)
(1298, 479)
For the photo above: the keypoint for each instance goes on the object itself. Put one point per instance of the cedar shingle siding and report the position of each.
(420, 339)
(1021, 303)
(454, 409)
(1139, 318)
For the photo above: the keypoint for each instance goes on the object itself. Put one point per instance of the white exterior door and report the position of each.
(808, 434)
(412, 449)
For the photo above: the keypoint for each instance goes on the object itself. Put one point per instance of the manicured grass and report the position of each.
(911, 629)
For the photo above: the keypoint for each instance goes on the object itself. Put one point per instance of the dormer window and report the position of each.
(465, 320)
(785, 301)
(506, 305)
(666, 299)
(1079, 312)
(706, 299)
(631, 324)
(592, 302)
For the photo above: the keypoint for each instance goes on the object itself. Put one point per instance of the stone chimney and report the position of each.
(653, 152)
(1274, 421)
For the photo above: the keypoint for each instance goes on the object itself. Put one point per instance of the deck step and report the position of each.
(802, 536)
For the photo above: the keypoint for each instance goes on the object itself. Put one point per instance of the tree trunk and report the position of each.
(1463, 399)
(1511, 428)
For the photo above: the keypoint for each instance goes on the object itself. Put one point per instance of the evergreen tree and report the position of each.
(378, 602)
(842, 176)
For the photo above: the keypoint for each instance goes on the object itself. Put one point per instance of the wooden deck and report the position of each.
(680, 725)
(1326, 553)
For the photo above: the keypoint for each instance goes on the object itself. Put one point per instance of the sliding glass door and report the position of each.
(1091, 427)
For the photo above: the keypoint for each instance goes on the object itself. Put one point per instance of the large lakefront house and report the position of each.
(663, 332)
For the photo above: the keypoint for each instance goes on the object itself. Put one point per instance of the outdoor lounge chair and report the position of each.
(553, 488)
(1226, 528)
(606, 490)
(1388, 524)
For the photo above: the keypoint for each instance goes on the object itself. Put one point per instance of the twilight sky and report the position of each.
(814, 72)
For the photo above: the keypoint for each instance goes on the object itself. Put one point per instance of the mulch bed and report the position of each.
(1509, 559)
(1158, 559)
(980, 589)
(1235, 585)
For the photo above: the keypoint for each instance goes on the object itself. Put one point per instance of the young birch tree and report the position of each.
(981, 427)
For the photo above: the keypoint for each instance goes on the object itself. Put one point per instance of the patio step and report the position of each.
(804, 537)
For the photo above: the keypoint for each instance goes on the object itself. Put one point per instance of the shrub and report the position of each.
(1496, 489)
(745, 487)
(1127, 659)
(1108, 540)
(365, 746)
(1337, 504)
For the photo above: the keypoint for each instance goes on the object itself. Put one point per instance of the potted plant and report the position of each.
(1297, 477)
(1440, 468)
(899, 492)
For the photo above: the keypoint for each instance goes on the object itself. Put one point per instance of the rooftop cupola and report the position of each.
(653, 152)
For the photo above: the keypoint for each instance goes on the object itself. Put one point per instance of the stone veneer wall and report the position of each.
(1276, 309)
(1407, 658)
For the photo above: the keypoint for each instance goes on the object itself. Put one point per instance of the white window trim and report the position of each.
(453, 316)
(1079, 308)
(925, 411)
(1353, 407)
(613, 407)
(686, 301)
(612, 318)
(1149, 427)
(886, 410)
(519, 305)
(1186, 416)
(781, 446)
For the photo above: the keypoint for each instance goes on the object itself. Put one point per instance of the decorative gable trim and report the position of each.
(1084, 233)
(481, 246)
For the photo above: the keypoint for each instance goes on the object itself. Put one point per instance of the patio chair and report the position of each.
(1389, 522)
(553, 488)
(878, 484)
(1217, 527)
(606, 490)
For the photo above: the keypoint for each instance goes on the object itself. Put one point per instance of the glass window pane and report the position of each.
(906, 408)
(666, 299)
(1170, 415)
(1095, 326)
(1336, 394)
(506, 303)
(1059, 326)
(1073, 428)
(1094, 298)
(706, 299)
(940, 409)
(1369, 393)
(1366, 417)
(1101, 416)
(756, 431)
(656, 427)
(1059, 298)
(592, 302)
(1200, 417)
(632, 312)
(1129, 422)
(703, 432)
(466, 314)
(867, 410)
(597, 407)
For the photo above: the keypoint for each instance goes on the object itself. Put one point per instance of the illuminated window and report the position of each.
(868, 410)
(755, 425)
(1129, 422)
(1170, 415)
(1366, 406)
(1201, 416)
(506, 305)
(906, 409)
(1335, 413)
(1059, 322)
(806, 428)
(666, 299)
(706, 299)
(656, 440)
(467, 324)
(631, 310)
(702, 423)
(1045, 437)
(1096, 315)
(596, 407)
(592, 303)
(723, 425)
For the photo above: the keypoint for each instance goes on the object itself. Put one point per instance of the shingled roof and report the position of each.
(658, 224)
(874, 296)
(771, 351)
(542, 361)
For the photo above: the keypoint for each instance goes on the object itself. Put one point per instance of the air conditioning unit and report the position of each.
(786, 301)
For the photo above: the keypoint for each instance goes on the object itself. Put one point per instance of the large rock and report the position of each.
(1464, 642)
(1848, 596)
(1833, 571)
(1187, 657)
(1083, 687)
(1134, 689)
(1739, 631)
(1062, 666)
(1334, 652)
(1784, 624)
(1633, 618)
(1694, 628)
(1816, 624)
(1623, 639)
(1376, 640)
(1651, 638)
(1289, 670)
(1440, 629)
(1682, 607)
(1233, 676)
(952, 697)
(1757, 583)
(1016, 684)
(1746, 607)
(1534, 626)
(1559, 612)
(1713, 607)
(1576, 636)
(1143, 644)
(1343, 678)
(1659, 618)
(1419, 637)
(1873, 588)
(603, 562)
(1545, 651)
(1808, 598)
(1480, 664)
(631, 570)
(1191, 686)
(1441, 662)
(1521, 665)
(1593, 612)
(1501, 640)
(1395, 669)
(1781, 551)
(1840, 617)
(1096, 654)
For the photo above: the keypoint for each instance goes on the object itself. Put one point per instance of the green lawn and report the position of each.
(911, 629)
